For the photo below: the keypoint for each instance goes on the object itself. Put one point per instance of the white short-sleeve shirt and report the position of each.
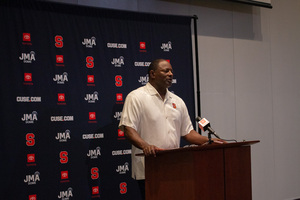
(160, 123)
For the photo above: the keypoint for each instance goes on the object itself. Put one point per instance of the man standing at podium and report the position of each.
(153, 118)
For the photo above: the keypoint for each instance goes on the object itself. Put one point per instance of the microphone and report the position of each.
(204, 125)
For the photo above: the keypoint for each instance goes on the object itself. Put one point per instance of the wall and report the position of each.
(249, 72)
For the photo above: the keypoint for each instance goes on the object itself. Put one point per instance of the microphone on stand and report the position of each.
(204, 125)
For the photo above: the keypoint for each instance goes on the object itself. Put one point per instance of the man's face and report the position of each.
(164, 74)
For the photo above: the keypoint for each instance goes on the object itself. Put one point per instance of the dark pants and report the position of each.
(141, 184)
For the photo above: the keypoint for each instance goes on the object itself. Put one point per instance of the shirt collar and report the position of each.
(153, 91)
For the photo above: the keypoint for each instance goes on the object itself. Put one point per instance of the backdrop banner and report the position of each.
(65, 73)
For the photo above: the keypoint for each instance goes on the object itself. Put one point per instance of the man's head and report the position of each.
(160, 74)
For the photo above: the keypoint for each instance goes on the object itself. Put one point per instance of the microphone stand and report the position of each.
(209, 137)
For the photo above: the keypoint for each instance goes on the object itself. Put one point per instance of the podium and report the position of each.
(208, 172)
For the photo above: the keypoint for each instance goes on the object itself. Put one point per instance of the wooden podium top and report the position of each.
(205, 147)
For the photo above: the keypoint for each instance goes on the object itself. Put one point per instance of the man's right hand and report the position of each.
(151, 150)
(135, 139)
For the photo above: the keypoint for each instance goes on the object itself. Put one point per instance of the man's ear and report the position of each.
(152, 74)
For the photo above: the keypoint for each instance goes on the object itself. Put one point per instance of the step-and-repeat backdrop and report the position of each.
(65, 73)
